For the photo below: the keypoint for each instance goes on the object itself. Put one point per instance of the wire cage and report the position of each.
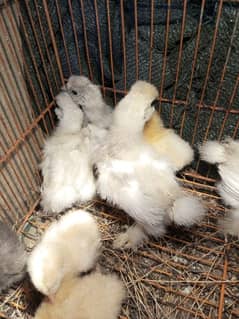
(190, 50)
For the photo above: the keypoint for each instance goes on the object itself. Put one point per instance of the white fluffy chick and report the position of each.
(226, 155)
(132, 176)
(68, 247)
(12, 257)
(88, 96)
(94, 296)
(66, 166)
(167, 143)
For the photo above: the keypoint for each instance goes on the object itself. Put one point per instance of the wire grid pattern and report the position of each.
(27, 118)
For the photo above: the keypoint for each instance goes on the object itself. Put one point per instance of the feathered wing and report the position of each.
(67, 172)
(228, 187)
(119, 184)
(167, 143)
(187, 210)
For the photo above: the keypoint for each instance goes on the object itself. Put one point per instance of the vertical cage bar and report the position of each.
(29, 152)
(99, 46)
(63, 36)
(193, 66)
(221, 79)
(123, 42)
(75, 36)
(34, 64)
(222, 292)
(9, 15)
(178, 62)
(151, 39)
(45, 44)
(236, 130)
(86, 40)
(228, 109)
(136, 40)
(208, 70)
(48, 18)
(14, 117)
(40, 52)
(111, 49)
(7, 212)
(164, 56)
(20, 204)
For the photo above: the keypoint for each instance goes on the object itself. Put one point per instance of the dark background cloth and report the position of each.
(73, 28)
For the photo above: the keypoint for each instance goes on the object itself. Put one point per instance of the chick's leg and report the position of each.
(131, 239)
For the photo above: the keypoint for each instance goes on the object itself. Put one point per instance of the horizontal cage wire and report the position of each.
(189, 50)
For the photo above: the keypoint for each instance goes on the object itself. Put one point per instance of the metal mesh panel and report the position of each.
(189, 50)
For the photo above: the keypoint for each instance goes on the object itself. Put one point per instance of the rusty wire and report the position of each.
(170, 260)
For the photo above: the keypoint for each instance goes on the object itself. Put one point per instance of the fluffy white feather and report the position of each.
(66, 166)
(69, 246)
(213, 152)
(187, 210)
(167, 143)
(95, 296)
(230, 224)
(133, 176)
(89, 97)
(226, 155)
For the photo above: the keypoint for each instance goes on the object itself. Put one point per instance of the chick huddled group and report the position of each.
(134, 158)
(128, 158)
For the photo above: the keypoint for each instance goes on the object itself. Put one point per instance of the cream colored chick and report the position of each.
(134, 177)
(226, 155)
(167, 143)
(66, 166)
(95, 296)
(69, 246)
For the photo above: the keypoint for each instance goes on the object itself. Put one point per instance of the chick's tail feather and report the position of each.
(213, 152)
(187, 211)
(230, 224)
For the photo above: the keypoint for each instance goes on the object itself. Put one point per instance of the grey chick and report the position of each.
(12, 257)
(88, 96)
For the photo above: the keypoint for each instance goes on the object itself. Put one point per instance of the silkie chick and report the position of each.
(225, 155)
(68, 247)
(66, 166)
(94, 296)
(132, 176)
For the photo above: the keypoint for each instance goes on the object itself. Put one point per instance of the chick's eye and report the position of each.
(81, 107)
(154, 103)
(74, 92)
